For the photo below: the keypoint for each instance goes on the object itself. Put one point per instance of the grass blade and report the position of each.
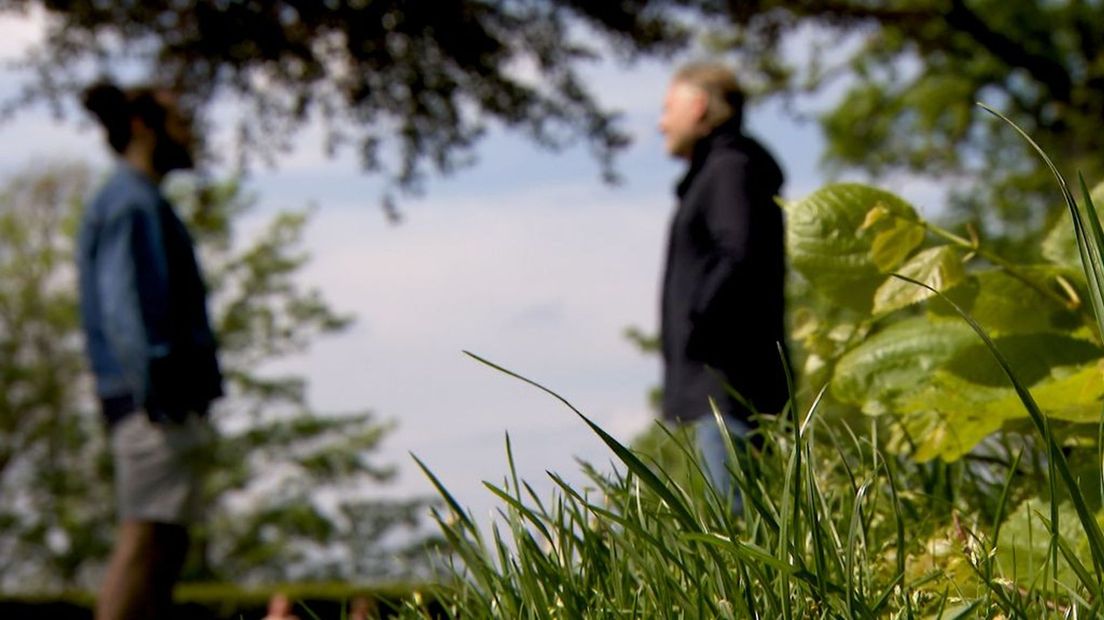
(681, 510)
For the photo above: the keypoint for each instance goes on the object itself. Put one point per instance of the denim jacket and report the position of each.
(142, 300)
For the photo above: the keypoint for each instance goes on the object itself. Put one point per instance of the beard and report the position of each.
(169, 155)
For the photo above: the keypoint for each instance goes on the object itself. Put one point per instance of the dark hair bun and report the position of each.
(106, 101)
(112, 107)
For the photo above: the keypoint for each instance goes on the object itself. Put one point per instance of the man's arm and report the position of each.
(151, 281)
(133, 284)
(727, 213)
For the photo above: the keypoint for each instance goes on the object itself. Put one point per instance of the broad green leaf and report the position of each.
(1034, 357)
(894, 244)
(896, 360)
(1070, 393)
(951, 414)
(935, 434)
(1060, 244)
(827, 244)
(1005, 304)
(1024, 546)
(949, 391)
(940, 268)
(1076, 397)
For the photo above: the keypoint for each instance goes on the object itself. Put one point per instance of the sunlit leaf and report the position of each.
(1003, 303)
(1060, 244)
(827, 244)
(896, 360)
(894, 244)
(951, 414)
(940, 268)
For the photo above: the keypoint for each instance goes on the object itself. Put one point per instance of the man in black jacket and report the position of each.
(722, 303)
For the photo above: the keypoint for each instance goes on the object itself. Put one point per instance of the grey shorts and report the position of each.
(159, 468)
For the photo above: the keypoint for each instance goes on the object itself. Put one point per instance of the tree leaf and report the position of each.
(1024, 546)
(1004, 304)
(952, 414)
(1034, 357)
(1060, 244)
(895, 361)
(939, 267)
(826, 241)
(936, 435)
(893, 245)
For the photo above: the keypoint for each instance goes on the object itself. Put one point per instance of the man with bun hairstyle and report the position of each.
(722, 302)
(144, 313)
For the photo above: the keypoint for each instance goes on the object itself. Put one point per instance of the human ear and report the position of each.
(699, 103)
(139, 130)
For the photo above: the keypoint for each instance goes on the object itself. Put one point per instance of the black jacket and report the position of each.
(722, 303)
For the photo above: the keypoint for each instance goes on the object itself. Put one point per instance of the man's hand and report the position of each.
(164, 397)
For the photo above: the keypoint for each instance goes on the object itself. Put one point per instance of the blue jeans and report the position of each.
(714, 454)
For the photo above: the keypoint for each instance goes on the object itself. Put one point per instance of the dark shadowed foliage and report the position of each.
(410, 84)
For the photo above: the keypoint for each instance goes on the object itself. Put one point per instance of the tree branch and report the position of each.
(1049, 72)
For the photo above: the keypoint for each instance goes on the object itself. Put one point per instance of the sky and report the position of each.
(526, 259)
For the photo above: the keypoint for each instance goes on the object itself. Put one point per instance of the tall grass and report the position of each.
(834, 525)
(833, 528)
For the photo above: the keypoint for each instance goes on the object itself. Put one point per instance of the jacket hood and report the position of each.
(729, 136)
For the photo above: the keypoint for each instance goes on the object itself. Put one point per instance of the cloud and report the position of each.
(41, 139)
(541, 280)
(20, 31)
(546, 314)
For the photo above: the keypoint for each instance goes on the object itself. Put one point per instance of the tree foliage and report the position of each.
(277, 457)
(413, 84)
(52, 465)
(910, 72)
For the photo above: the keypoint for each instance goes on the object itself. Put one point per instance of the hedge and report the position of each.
(221, 601)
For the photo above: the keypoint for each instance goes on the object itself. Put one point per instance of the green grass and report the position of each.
(834, 528)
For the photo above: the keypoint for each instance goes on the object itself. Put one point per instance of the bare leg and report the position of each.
(170, 552)
(126, 593)
(143, 570)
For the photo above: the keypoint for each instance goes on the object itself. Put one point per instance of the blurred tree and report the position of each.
(52, 465)
(287, 494)
(412, 82)
(908, 74)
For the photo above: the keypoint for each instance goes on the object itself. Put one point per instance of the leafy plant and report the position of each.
(899, 349)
